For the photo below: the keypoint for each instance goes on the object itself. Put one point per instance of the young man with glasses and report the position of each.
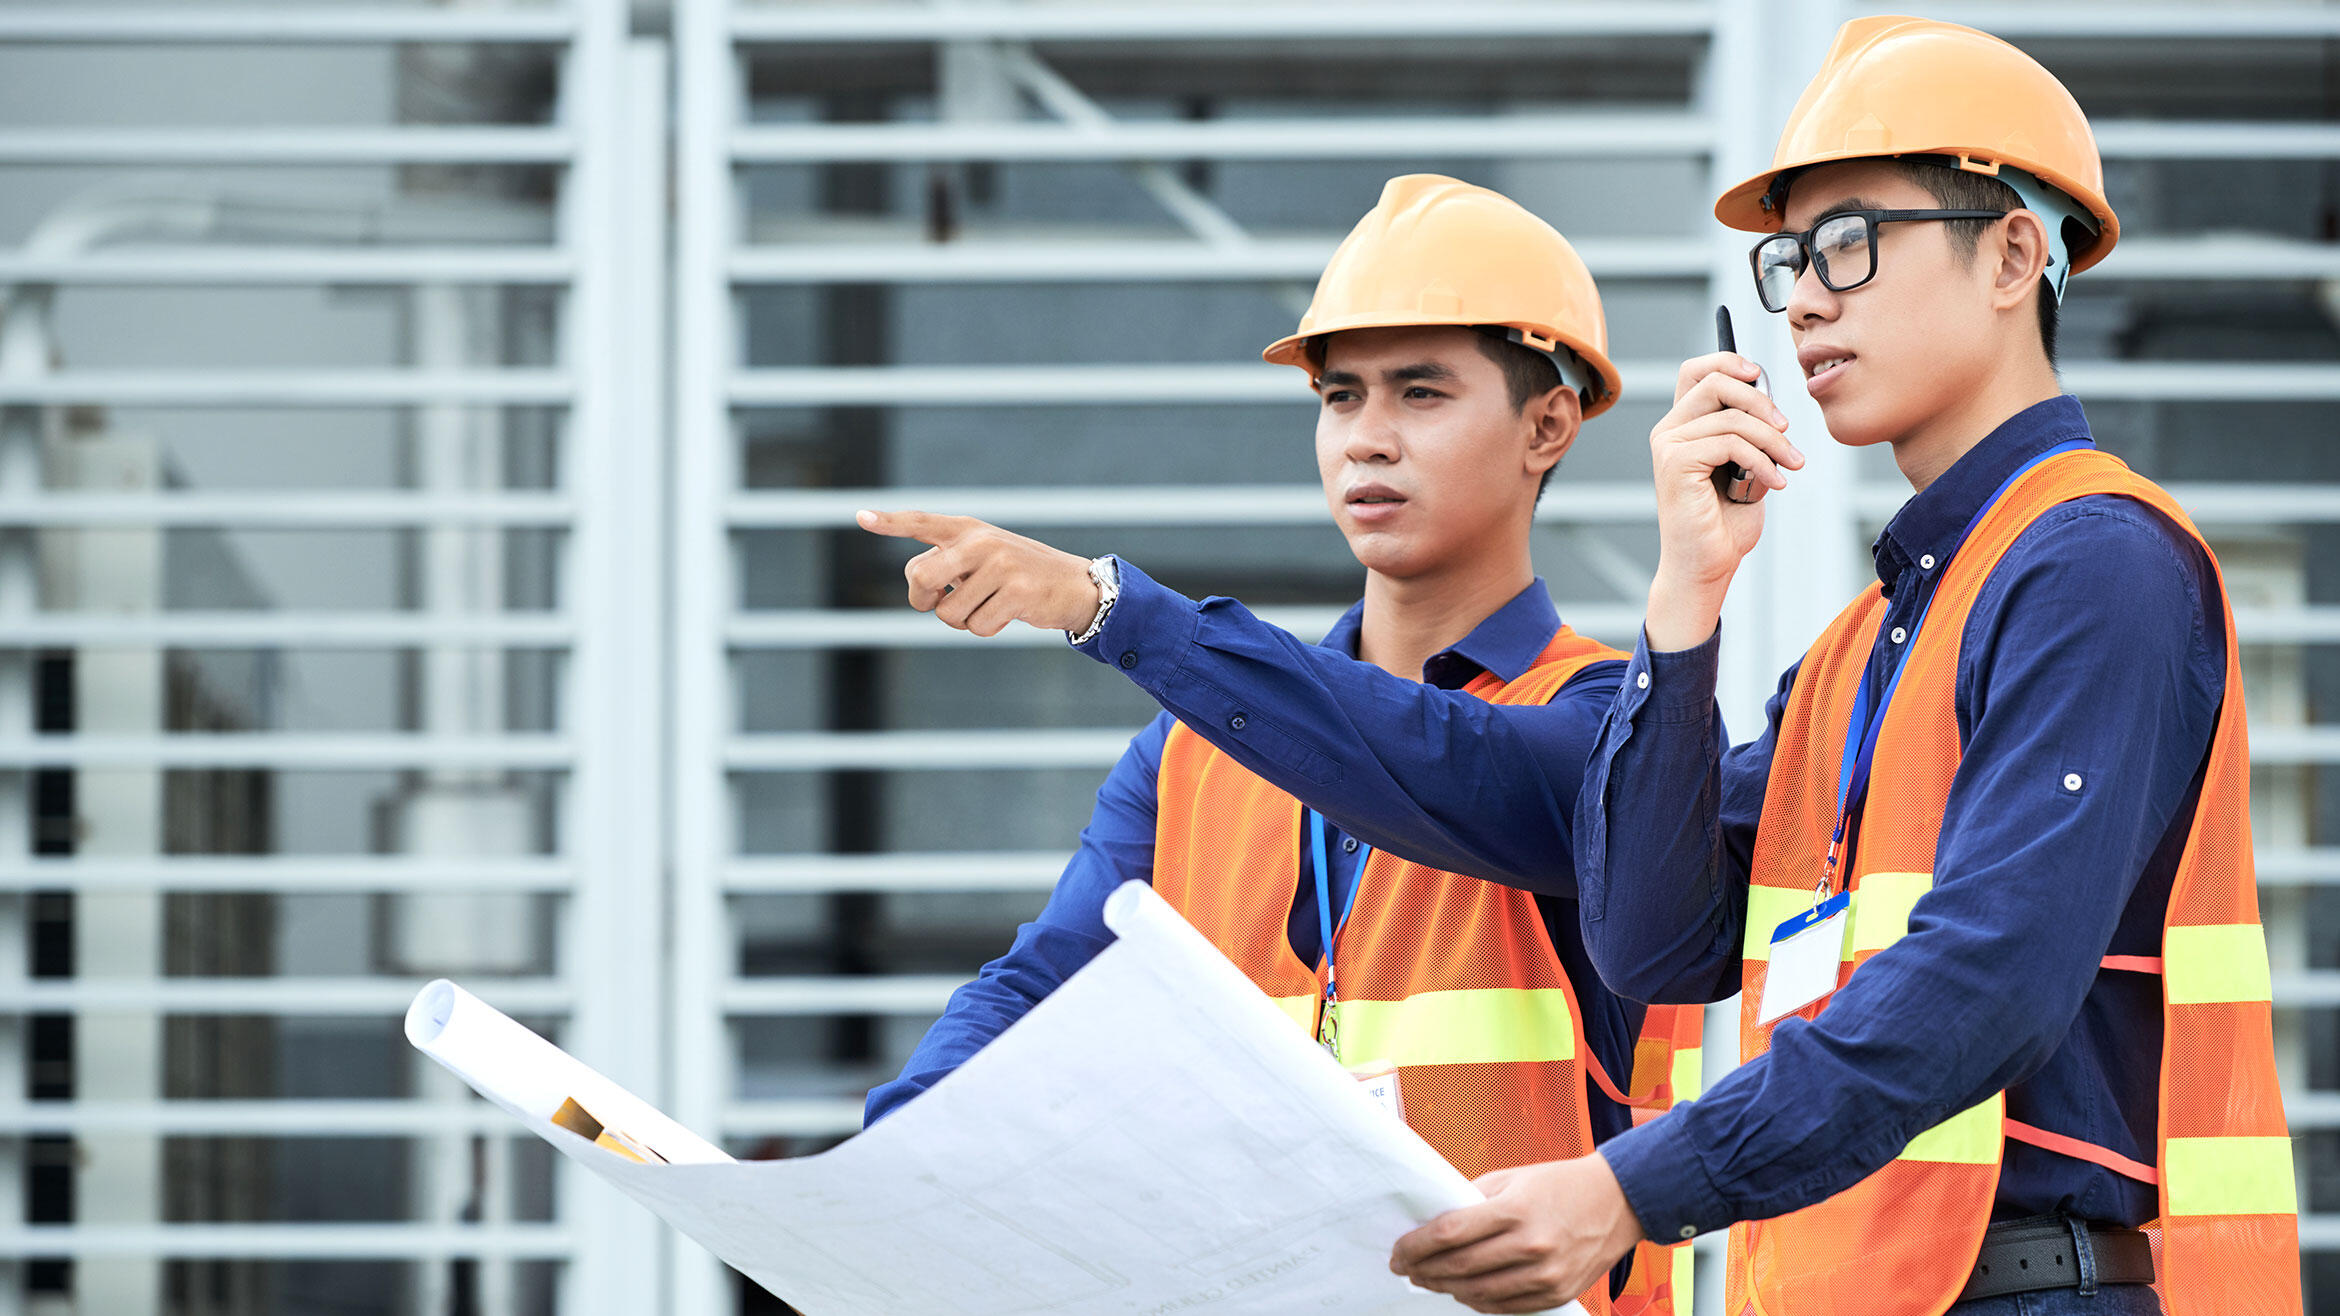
(1373, 829)
(1984, 882)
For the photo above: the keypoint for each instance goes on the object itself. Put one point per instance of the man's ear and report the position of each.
(1555, 418)
(2022, 250)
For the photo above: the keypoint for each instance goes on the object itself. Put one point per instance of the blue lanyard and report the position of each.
(1860, 734)
(1324, 915)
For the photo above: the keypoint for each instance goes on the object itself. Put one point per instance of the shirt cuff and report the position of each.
(1149, 631)
(1678, 684)
(1664, 1181)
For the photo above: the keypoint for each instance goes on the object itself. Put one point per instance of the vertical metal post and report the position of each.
(709, 103)
(23, 353)
(614, 819)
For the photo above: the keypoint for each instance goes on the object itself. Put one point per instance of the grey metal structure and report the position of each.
(429, 441)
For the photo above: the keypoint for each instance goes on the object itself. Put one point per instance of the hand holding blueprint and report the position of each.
(1156, 1137)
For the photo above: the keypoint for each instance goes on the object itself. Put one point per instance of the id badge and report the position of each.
(1379, 1079)
(1805, 954)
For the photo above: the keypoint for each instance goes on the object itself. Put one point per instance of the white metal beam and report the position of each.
(274, 25)
(222, 265)
(1371, 20)
(290, 388)
(289, 511)
(288, 751)
(980, 258)
(1581, 135)
(284, 146)
(286, 874)
(1135, 505)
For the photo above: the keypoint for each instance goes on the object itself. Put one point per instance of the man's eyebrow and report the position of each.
(1337, 379)
(1430, 370)
(1848, 203)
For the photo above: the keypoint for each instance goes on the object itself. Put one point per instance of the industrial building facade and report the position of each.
(429, 441)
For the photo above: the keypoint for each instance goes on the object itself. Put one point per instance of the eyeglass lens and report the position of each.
(1843, 246)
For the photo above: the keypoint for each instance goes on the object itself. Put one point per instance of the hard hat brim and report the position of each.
(1292, 349)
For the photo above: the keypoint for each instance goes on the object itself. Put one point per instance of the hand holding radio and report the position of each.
(1721, 448)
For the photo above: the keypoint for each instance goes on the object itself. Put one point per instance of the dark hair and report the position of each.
(1527, 375)
(1958, 189)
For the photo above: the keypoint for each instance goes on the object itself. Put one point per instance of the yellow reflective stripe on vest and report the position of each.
(1300, 1010)
(1689, 1076)
(1685, 1272)
(1767, 908)
(1880, 909)
(1491, 1025)
(1970, 1137)
(2229, 1176)
(2215, 963)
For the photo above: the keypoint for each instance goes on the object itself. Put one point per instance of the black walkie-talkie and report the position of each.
(1734, 482)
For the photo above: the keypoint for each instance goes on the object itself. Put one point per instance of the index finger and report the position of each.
(1460, 1227)
(1699, 367)
(925, 527)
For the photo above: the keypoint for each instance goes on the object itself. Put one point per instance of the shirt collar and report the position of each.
(1933, 522)
(1507, 643)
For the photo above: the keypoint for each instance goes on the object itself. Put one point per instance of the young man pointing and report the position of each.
(1985, 880)
(1314, 809)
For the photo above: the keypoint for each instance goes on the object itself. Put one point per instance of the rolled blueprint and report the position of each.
(531, 1077)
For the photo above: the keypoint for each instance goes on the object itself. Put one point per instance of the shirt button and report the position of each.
(1899, 635)
(1348, 845)
(2072, 781)
(1641, 682)
(1238, 722)
(1689, 1231)
(1129, 660)
(1927, 562)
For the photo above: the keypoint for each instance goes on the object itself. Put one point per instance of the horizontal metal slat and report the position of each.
(290, 873)
(209, 265)
(270, 1119)
(2156, 139)
(2205, 381)
(231, 145)
(263, 996)
(284, 24)
(1585, 135)
(1568, 502)
(1367, 21)
(1198, 384)
(290, 388)
(982, 260)
(259, 630)
(995, 870)
(286, 510)
(910, 751)
(287, 751)
(275, 1242)
(2144, 22)
(2219, 256)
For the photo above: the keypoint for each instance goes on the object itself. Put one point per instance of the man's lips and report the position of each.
(1819, 358)
(1372, 495)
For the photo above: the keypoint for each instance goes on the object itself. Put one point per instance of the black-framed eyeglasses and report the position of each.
(1842, 247)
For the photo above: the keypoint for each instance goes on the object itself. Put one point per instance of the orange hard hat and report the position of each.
(1437, 250)
(1897, 86)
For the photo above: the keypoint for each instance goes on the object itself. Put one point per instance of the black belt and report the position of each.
(2046, 1252)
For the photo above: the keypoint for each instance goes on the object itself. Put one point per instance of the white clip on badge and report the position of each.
(1805, 953)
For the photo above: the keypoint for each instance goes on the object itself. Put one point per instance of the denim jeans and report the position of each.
(2109, 1300)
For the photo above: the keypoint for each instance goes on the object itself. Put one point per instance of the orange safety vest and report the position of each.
(1452, 979)
(1904, 1239)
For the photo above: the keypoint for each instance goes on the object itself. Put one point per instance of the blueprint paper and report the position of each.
(1154, 1138)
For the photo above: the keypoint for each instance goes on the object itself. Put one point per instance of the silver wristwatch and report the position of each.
(1106, 571)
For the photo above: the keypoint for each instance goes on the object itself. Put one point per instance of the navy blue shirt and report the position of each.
(1420, 769)
(2094, 655)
